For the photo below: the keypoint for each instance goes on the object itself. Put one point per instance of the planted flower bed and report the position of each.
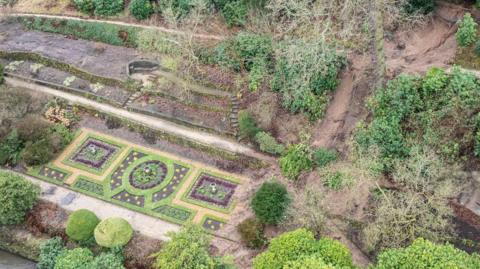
(213, 192)
(94, 155)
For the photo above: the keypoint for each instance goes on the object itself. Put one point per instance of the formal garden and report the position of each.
(224, 134)
(143, 180)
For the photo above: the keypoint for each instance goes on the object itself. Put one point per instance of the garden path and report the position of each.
(152, 122)
(149, 226)
(152, 27)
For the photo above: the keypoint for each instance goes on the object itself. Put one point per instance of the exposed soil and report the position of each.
(429, 45)
(109, 62)
(58, 77)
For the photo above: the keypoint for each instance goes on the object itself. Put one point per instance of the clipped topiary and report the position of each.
(81, 224)
(270, 202)
(17, 196)
(334, 252)
(113, 232)
(141, 9)
(108, 7)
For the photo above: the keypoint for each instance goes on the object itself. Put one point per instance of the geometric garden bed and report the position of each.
(144, 180)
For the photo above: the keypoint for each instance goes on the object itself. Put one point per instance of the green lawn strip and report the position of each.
(35, 172)
(226, 210)
(106, 165)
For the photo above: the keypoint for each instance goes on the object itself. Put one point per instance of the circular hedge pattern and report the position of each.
(148, 174)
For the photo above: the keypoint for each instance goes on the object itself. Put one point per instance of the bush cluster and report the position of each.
(17, 196)
(35, 141)
(85, 6)
(423, 7)
(251, 231)
(299, 249)
(108, 7)
(467, 31)
(54, 255)
(322, 157)
(141, 9)
(268, 144)
(270, 202)
(298, 158)
(412, 106)
(233, 11)
(305, 73)
(246, 51)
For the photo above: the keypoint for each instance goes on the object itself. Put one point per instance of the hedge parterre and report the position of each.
(142, 180)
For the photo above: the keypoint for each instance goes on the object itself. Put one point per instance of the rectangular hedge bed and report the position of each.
(141, 180)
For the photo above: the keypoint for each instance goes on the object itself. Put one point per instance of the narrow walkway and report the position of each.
(152, 122)
(158, 28)
(70, 200)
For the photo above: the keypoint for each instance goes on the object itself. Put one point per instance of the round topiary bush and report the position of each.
(81, 224)
(113, 232)
(141, 9)
(17, 196)
(270, 202)
(108, 7)
(85, 6)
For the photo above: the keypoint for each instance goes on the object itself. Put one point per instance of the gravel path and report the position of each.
(152, 122)
(70, 200)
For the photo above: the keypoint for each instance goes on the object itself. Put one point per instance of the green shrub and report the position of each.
(337, 180)
(335, 253)
(108, 261)
(296, 160)
(267, 143)
(108, 7)
(251, 231)
(270, 202)
(113, 232)
(187, 249)
(477, 51)
(141, 9)
(49, 251)
(39, 152)
(85, 6)
(322, 157)
(11, 148)
(247, 127)
(288, 246)
(235, 13)
(245, 50)
(33, 128)
(425, 254)
(308, 262)
(64, 135)
(419, 6)
(467, 31)
(157, 42)
(81, 224)
(78, 258)
(305, 72)
(17, 196)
